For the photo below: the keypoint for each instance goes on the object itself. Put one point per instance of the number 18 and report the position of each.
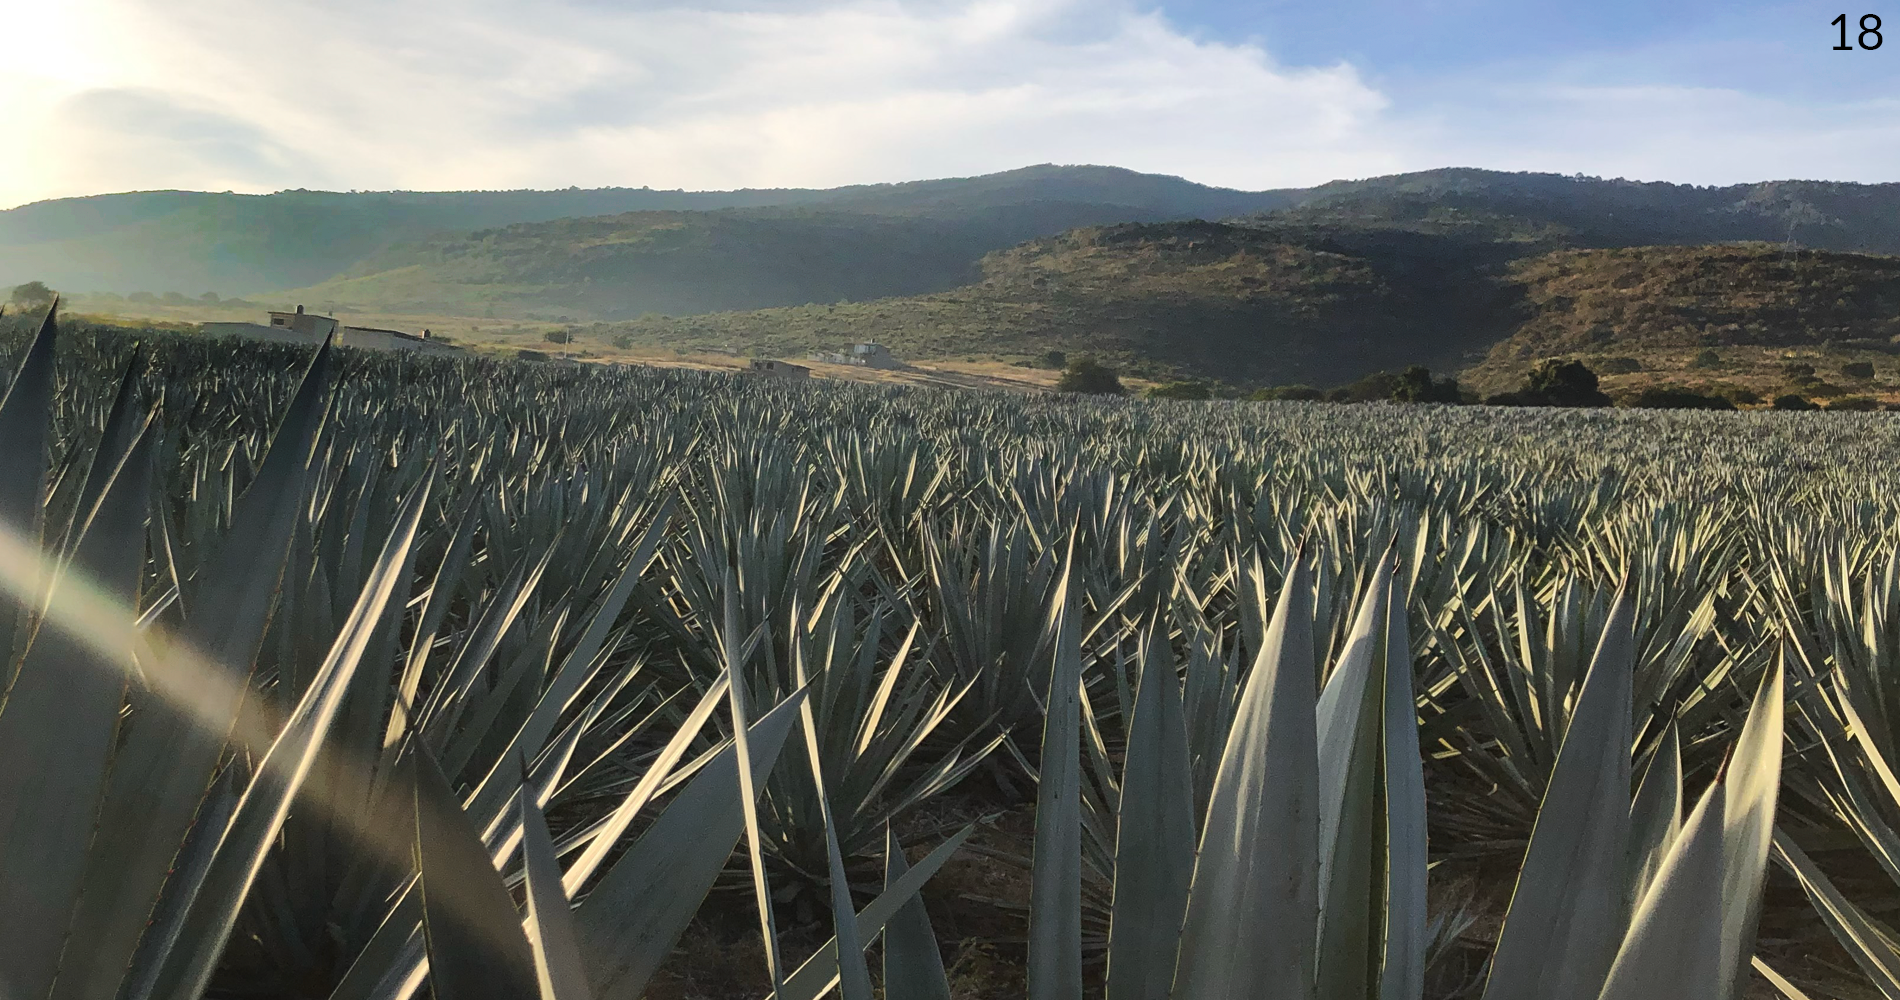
(1869, 28)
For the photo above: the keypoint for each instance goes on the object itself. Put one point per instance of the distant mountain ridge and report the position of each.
(1316, 285)
(241, 244)
(238, 244)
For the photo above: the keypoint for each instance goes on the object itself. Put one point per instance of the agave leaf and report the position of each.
(1674, 944)
(1656, 816)
(1779, 982)
(1252, 918)
(577, 669)
(57, 726)
(1870, 944)
(124, 423)
(1402, 782)
(170, 751)
(475, 944)
(913, 967)
(819, 974)
(260, 813)
(643, 792)
(1571, 905)
(1350, 716)
(735, 654)
(25, 421)
(1754, 777)
(854, 975)
(550, 923)
(1055, 891)
(26, 414)
(194, 862)
(629, 923)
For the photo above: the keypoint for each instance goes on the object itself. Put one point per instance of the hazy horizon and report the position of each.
(899, 181)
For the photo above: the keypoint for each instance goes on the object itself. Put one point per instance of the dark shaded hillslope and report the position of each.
(1242, 304)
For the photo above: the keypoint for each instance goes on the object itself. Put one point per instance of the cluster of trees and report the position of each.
(35, 296)
(1555, 383)
(31, 297)
(1415, 384)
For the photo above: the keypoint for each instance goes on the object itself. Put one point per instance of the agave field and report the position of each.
(369, 676)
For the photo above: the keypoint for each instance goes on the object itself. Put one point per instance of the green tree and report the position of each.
(1416, 385)
(1709, 358)
(1565, 383)
(1052, 359)
(1790, 401)
(1858, 369)
(33, 296)
(1090, 377)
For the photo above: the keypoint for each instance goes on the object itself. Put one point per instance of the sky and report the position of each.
(262, 95)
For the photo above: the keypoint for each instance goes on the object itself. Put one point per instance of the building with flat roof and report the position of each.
(780, 369)
(302, 327)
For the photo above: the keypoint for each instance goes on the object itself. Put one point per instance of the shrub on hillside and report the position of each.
(1860, 403)
(1858, 369)
(1709, 358)
(1790, 401)
(1622, 366)
(1090, 377)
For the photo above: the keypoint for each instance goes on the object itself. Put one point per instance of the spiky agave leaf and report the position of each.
(1252, 917)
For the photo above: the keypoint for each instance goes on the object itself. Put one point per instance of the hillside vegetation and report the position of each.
(1320, 285)
(1555, 210)
(1287, 304)
(622, 266)
(1243, 304)
(192, 242)
(1664, 302)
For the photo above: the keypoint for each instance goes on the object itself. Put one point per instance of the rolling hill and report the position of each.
(1244, 304)
(869, 243)
(240, 244)
(622, 266)
(1447, 267)
(1280, 304)
(1659, 306)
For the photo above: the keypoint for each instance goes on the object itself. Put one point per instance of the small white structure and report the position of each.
(873, 356)
(309, 328)
(863, 355)
(780, 369)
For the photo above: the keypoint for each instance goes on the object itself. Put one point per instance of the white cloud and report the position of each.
(257, 95)
(432, 94)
